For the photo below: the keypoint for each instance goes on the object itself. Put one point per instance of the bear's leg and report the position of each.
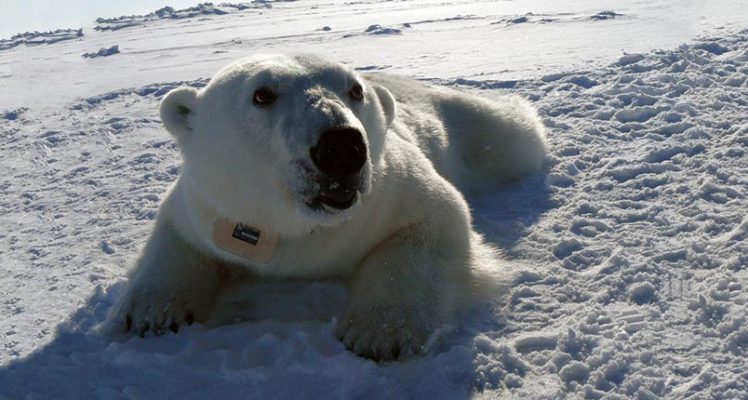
(403, 292)
(491, 142)
(172, 285)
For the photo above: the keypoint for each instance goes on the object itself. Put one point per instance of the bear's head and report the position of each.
(282, 142)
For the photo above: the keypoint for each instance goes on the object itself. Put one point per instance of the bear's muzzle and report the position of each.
(339, 156)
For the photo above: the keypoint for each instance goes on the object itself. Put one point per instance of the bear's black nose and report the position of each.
(340, 151)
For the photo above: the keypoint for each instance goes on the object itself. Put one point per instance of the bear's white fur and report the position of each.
(406, 246)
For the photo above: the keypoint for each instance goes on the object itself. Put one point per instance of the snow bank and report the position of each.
(37, 38)
(202, 9)
(564, 17)
(103, 52)
(376, 29)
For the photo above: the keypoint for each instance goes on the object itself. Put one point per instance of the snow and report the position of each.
(627, 256)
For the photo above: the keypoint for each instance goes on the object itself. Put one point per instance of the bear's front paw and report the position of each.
(145, 310)
(388, 336)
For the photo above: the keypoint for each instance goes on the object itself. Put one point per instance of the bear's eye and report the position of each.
(356, 92)
(264, 97)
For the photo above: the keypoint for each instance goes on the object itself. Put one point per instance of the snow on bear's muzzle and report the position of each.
(339, 156)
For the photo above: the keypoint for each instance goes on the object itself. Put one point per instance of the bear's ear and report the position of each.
(178, 110)
(387, 101)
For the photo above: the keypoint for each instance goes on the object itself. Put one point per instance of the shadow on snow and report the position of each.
(272, 339)
(294, 355)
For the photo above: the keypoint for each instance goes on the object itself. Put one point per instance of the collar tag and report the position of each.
(244, 240)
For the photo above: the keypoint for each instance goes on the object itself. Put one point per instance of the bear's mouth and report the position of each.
(335, 195)
(339, 201)
(328, 194)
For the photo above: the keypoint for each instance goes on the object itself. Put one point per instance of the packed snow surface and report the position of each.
(627, 256)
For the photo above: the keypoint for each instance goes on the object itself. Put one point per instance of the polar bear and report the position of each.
(295, 166)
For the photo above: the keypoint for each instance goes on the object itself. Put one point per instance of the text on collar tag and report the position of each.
(244, 240)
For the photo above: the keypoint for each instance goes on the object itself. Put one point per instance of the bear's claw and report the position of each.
(143, 311)
(382, 342)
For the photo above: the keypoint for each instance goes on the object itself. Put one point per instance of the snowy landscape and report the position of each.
(626, 257)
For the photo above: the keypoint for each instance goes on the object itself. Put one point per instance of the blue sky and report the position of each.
(42, 15)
